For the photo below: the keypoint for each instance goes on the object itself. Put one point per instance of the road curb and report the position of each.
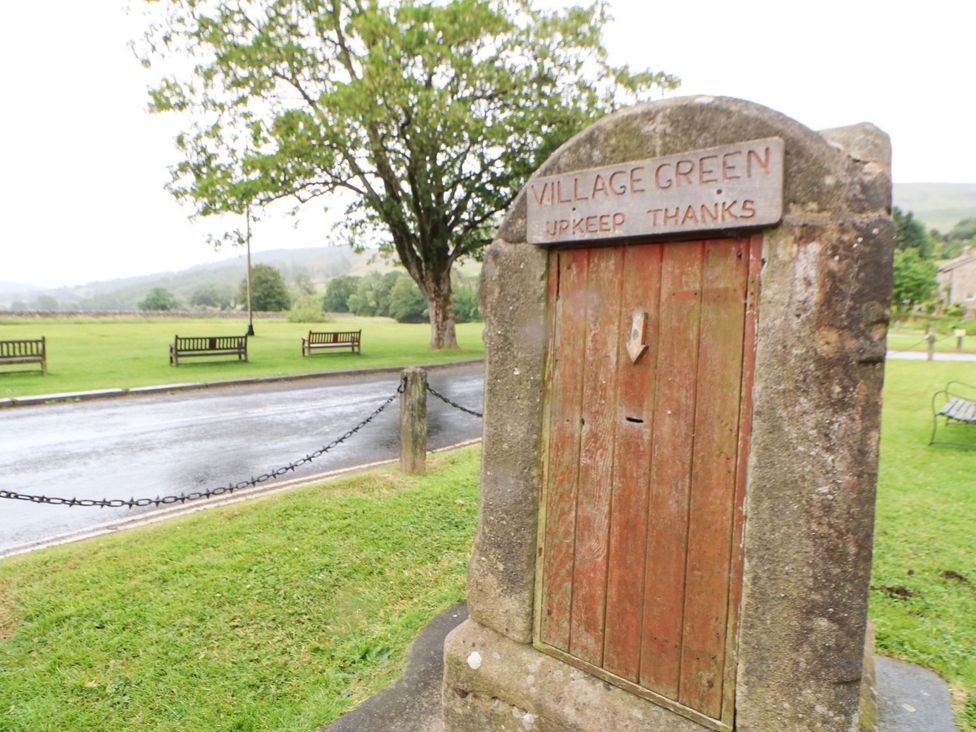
(79, 396)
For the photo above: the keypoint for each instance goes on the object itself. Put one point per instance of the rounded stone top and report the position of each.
(822, 172)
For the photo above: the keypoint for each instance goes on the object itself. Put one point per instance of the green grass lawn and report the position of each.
(105, 353)
(277, 614)
(284, 612)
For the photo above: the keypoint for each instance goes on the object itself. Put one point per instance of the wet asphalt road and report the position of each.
(185, 441)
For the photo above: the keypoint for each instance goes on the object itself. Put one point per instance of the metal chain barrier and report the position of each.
(454, 404)
(209, 492)
(920, 343)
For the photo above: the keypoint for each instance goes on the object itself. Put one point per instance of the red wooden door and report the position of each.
(645, 466)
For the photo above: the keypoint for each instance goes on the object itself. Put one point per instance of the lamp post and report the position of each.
(247, 239)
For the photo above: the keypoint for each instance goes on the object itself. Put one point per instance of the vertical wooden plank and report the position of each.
(631, 464)
(716, 422)
(750, 326)
(603, 333)
(673, 434)
(568, 344)
(554, 273)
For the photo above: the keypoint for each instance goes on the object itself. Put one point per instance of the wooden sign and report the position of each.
(728, 187)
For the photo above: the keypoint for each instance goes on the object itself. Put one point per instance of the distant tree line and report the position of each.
(960, 237)
(394, 295)
(391, 294)
(269, 293)
(199, 289)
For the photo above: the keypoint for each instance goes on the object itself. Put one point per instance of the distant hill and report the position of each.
(15, 289)
(320, 264)
(939, 205)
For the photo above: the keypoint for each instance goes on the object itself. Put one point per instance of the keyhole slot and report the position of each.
(635, 420)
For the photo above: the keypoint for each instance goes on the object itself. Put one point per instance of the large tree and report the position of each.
(428, 115)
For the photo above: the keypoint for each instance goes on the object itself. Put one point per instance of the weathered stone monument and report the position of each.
(686, 312)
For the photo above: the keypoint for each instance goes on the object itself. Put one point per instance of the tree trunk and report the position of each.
(440, 305)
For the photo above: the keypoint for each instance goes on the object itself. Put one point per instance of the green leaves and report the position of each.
(910, 234)
(159, 298)
(914, 278)
(432, 114)
(269, 293)
(914, 272)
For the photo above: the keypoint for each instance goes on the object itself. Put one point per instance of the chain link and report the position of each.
(209, 492)
(454, 404)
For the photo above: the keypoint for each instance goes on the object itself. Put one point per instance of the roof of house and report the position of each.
(967, 258)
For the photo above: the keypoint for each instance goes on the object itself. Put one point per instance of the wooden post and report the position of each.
(931, 338)
(413, 421)
(960, 334)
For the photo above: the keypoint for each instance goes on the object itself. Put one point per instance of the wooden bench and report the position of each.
(192, 346)
(24, 351)
(958, 406)
(330, 339)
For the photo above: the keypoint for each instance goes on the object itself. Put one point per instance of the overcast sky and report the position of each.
(81, 194)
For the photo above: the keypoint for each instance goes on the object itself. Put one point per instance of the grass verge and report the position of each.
(923, 593)
(280, 613)
(123, 353)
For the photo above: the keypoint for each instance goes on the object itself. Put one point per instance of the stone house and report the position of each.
(957, 280)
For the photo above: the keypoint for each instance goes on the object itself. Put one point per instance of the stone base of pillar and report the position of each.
(493, 683)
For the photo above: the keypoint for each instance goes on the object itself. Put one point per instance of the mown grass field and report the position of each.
(106, 353)
(284, 612)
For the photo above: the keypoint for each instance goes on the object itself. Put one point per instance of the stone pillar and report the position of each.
(802, 541)
(413, 421)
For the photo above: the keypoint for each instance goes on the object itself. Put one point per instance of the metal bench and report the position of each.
(958, 406)
(24, 351)
(192, 346)
(324, 340)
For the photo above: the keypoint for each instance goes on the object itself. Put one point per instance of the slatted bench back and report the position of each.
(210, 343)
(22, 348)
(325, 337)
